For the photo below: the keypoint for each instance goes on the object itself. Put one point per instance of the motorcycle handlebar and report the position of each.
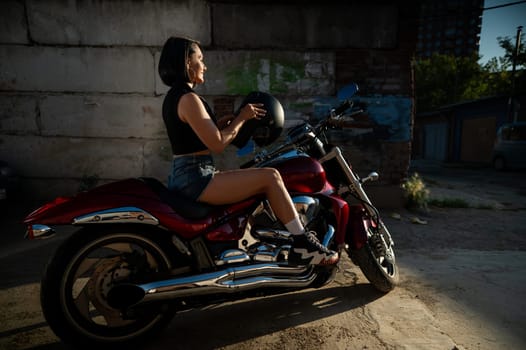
(335, 112)
(256, 159)
(342, 108)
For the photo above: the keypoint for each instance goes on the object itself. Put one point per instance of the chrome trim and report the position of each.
(180, 246)
(232, 256)
(267, 253)
(353, 183)
(371, 177)
(230, 280)
(328, 236)
(306, 205)
(269, 233)
(37, 231)
(128, 215)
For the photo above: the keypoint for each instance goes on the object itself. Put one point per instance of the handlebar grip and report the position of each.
(342, 108)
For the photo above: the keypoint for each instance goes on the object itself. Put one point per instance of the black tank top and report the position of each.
(182, 137)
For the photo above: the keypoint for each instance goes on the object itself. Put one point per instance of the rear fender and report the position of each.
(130, 199)
(132, 202)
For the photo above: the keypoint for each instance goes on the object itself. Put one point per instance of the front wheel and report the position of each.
(379, 269)
(77, 280)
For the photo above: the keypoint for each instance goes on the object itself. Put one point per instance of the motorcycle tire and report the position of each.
(383, 275)
(83, 269)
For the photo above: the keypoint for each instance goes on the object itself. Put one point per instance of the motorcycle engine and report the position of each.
(271, 240)
(266, 239)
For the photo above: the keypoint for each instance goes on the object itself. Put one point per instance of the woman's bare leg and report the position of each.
(236, 185)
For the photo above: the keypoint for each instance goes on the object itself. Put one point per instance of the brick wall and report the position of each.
(80, 95)
(385, 71)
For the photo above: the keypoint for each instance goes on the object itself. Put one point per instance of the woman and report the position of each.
(194, 135)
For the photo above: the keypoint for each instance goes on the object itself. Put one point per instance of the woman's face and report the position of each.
(196, 66)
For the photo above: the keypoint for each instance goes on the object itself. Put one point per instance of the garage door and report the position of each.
(435, 144)
(478, 136)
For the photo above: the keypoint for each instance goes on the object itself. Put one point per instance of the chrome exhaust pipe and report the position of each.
(230, 280)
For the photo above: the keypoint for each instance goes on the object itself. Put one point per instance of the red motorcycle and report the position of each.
(143, 253)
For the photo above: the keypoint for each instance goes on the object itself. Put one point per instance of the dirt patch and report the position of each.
(462, 287)
(468, 228)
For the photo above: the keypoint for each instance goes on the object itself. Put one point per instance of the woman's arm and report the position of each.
(192, 111)
(224, 121)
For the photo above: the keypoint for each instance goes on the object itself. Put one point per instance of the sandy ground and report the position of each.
(462, 286)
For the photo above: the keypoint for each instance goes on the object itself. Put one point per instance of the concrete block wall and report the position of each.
(80, 96)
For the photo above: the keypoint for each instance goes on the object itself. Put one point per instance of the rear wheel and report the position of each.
(76, 282)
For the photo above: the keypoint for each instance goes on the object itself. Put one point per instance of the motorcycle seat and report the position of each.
(181, 204)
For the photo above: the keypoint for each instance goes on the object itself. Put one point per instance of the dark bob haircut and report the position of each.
(172, 63)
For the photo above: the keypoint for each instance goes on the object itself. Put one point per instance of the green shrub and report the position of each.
(416, 193)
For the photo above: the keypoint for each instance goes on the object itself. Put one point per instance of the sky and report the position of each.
(500, 22)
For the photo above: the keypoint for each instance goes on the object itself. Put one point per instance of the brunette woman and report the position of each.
(194, 135)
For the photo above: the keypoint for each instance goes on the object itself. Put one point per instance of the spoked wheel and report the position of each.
(77, 280)
(378, 263)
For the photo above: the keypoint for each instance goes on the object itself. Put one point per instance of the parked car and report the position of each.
(510, 146)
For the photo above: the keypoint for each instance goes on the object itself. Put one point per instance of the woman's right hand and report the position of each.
(251, 111)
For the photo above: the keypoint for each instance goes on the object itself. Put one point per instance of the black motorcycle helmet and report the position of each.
(263, 131)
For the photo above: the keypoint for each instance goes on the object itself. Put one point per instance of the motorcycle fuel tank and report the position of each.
(301, 174)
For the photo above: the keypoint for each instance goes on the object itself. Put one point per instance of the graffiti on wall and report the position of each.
(281, 73)
(384, 118)
(263, 75)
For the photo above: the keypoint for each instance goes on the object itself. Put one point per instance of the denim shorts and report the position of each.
(191, 174)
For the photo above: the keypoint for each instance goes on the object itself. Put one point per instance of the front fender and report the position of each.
(357, 227)
(340, 208)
